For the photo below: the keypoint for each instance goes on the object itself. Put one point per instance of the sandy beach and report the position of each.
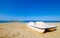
(20, 30)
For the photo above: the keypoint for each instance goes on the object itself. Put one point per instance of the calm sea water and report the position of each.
(26, 21)
(4, 21)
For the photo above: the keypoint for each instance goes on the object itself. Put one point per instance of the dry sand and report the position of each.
(20, 30)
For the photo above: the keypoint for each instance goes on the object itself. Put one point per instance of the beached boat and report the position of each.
(41, 26)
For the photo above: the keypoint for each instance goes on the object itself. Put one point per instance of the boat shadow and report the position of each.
(46, 31)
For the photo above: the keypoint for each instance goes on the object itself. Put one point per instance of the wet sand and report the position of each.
(20, 30)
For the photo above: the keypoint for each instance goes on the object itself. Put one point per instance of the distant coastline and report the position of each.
(26, 21)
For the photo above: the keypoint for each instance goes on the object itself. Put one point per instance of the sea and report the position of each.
(27, 21)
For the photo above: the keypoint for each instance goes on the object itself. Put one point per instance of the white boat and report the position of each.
(40, 26)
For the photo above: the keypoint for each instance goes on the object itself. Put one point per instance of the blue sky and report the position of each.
(30, 10)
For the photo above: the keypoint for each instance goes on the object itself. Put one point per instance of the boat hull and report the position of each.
(36, 29)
